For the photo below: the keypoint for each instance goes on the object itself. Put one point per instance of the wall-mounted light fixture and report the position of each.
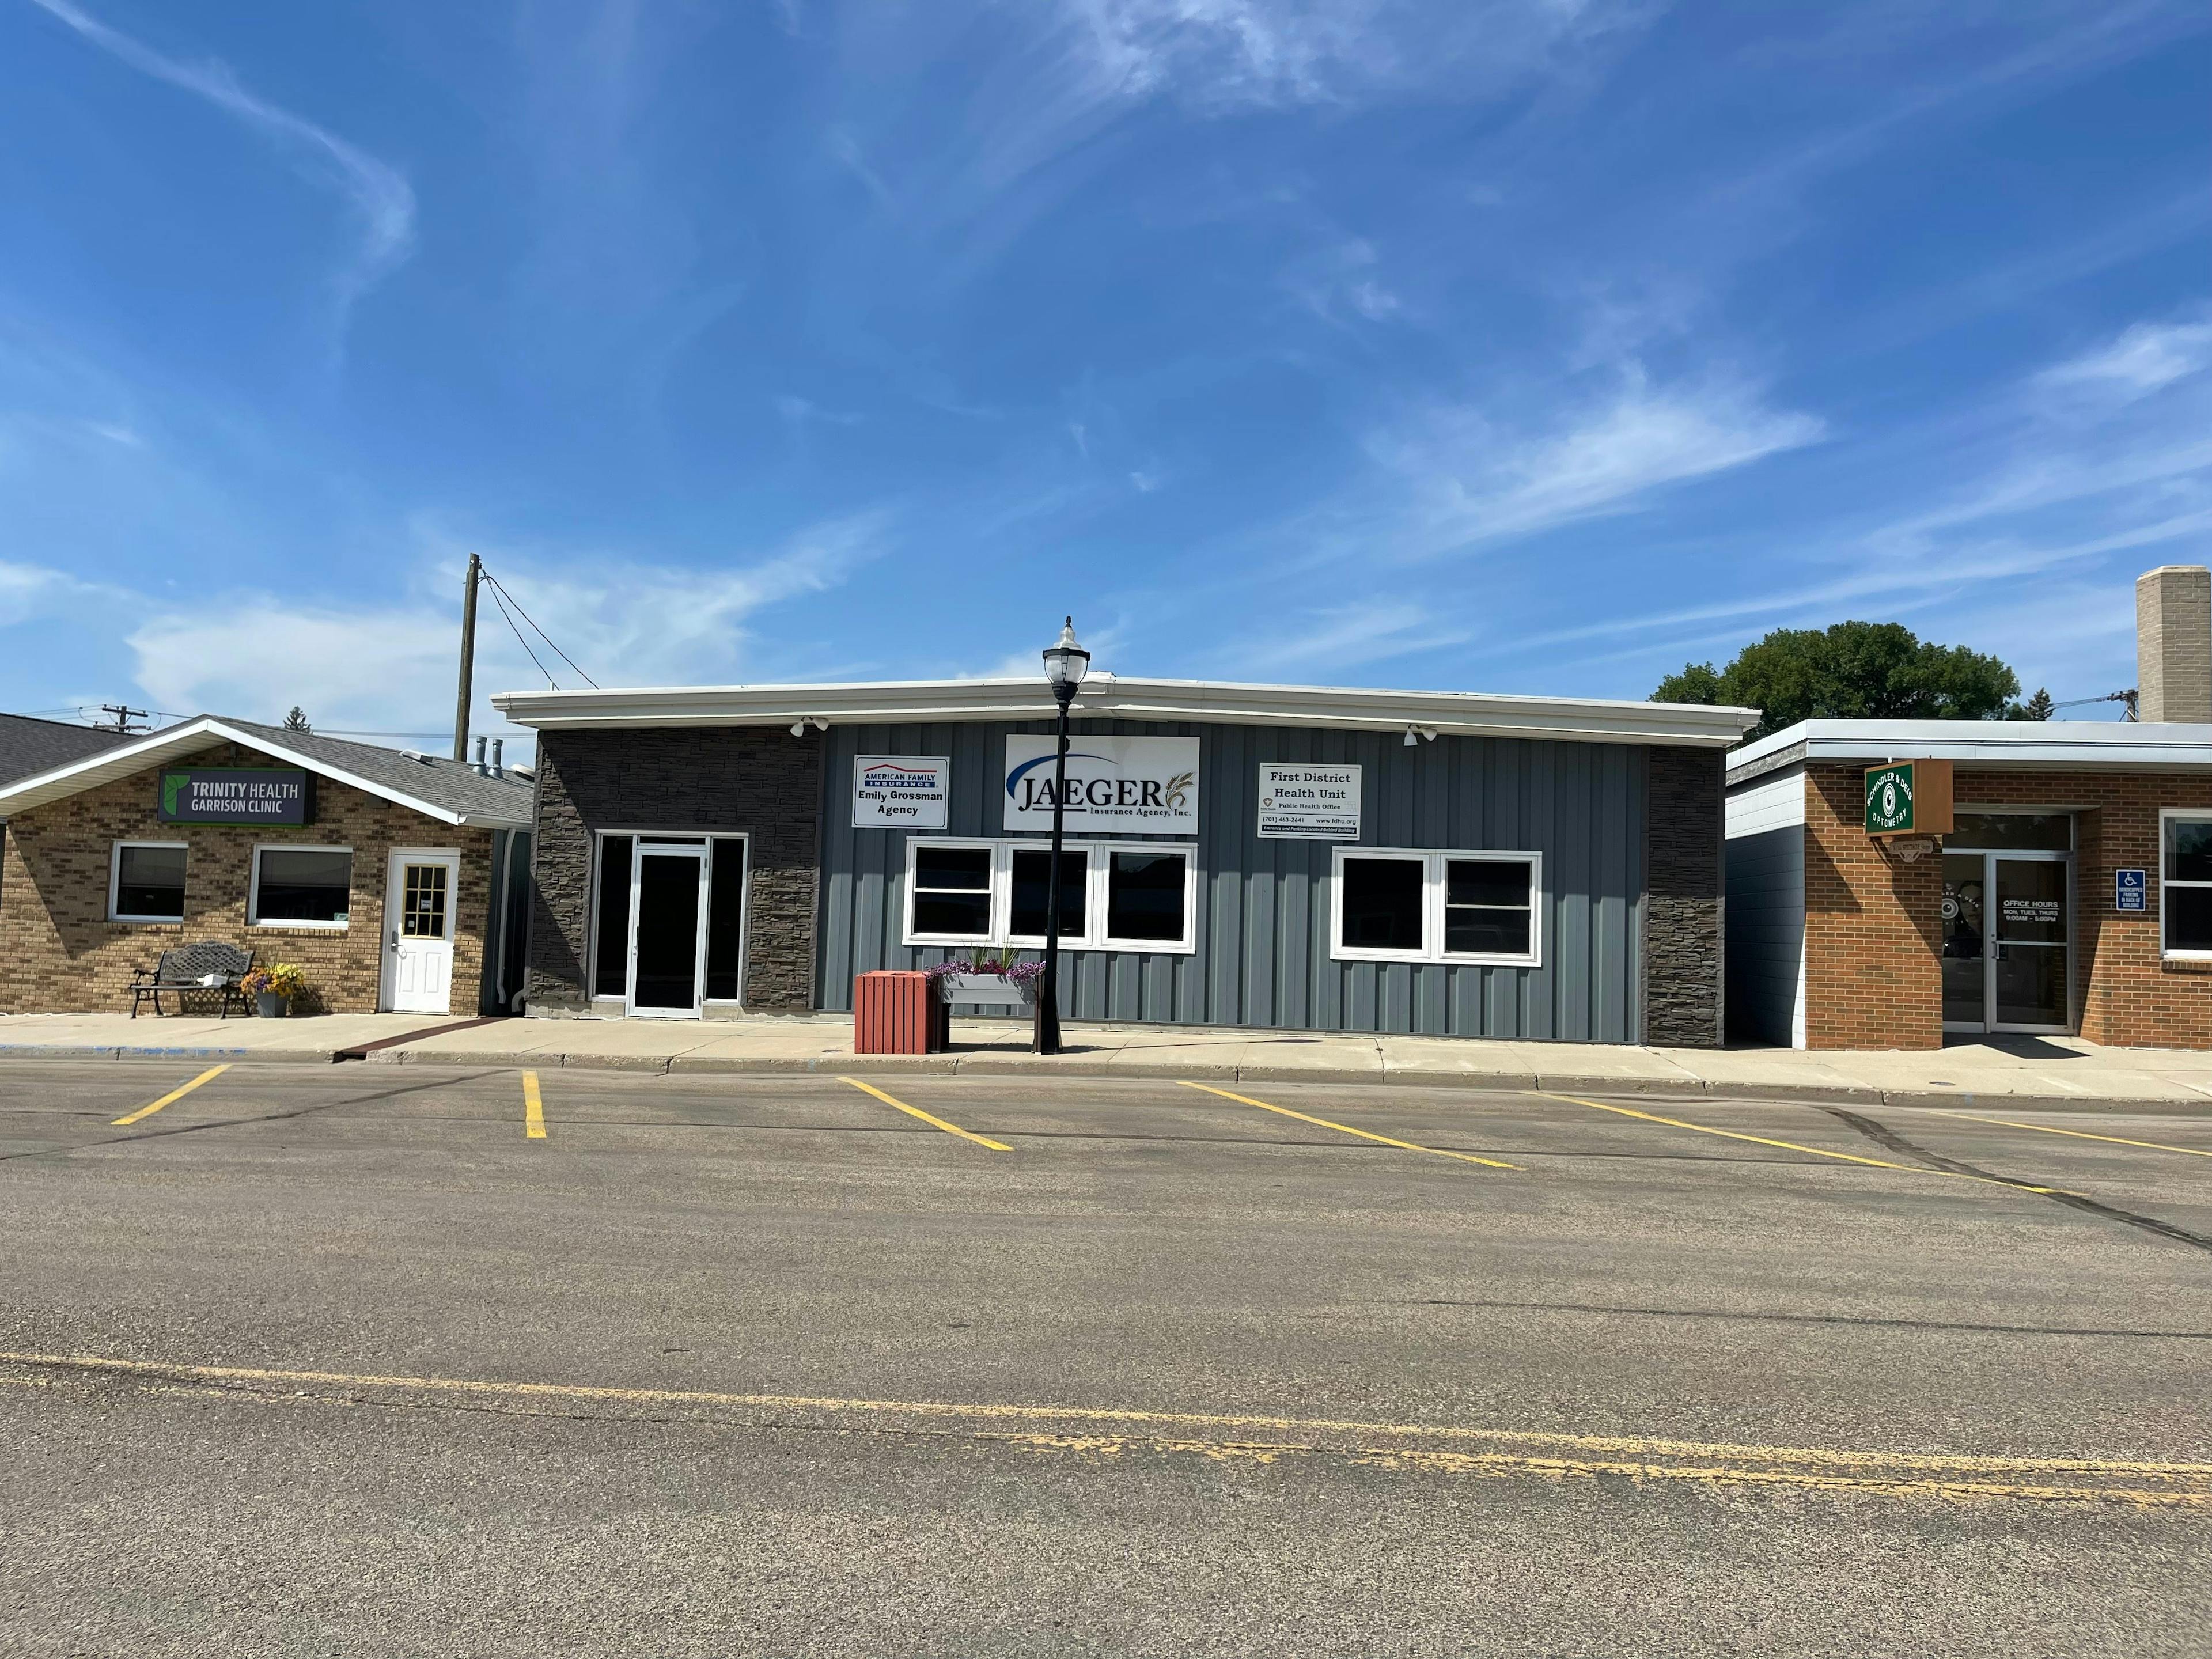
(1414, 734)
(798, 727)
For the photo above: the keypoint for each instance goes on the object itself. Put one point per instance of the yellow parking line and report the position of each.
(933, 1122)
(1791, 1146)
(174, 1094)
(1346, 1128)
(533, 1108)
(2079, 1135)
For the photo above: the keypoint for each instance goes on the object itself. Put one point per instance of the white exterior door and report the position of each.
(420, 890)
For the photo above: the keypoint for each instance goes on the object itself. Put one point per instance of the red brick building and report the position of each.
(2073, 893)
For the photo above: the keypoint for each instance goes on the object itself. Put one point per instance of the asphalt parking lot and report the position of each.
(352, 1360)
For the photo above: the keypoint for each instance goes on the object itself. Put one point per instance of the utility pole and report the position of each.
(123, 715)
(468, 661)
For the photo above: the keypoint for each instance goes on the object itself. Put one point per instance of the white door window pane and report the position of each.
(150, 883)
(2188, 849)
(1030, 893)
(1145, 895)
(1379, 901)
(953, 891)
(1487, 907)
(298, 884)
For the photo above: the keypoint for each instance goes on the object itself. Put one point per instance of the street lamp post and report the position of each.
(1064, 663)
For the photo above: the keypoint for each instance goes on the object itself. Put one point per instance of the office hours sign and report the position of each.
(1310, 803)
(1139, 786)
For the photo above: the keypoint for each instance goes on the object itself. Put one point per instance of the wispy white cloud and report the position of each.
(29, 592)
(378, 192)
(390, 665)
(1469, 477)
(1347, 636)
(2146, 358)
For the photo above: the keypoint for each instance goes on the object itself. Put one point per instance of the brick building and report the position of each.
(1281, 857)
(2071, 894)
(393, 879)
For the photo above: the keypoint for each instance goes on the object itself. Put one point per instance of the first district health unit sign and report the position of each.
(234, 794)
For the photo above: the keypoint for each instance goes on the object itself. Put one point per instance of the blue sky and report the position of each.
(1513, 345)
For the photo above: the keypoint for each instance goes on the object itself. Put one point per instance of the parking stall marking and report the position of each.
(533, 1108)
(2078, 1134)
(933, 1122)
(173, 1095)
(1794, 1146)
(1346, 1128)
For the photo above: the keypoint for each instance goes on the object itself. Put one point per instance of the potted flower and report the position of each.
(273, 988)
(1005, 983)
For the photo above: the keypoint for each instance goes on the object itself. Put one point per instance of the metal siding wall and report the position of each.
(1262, 912)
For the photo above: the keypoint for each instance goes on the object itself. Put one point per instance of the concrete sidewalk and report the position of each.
(2013, 1072)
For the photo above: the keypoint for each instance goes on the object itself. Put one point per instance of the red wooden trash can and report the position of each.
(896, 1013)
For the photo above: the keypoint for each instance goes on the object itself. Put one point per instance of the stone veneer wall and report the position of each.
(1874, 928)
(761, 780)
(60, 954)
(1683, 859)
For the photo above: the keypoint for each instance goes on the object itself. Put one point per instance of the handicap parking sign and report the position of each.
(2130, 889)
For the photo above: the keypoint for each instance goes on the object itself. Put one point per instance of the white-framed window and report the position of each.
(295, 886)
(1115, 895)
(146, 881)
(2185, 883)
(1408, 904)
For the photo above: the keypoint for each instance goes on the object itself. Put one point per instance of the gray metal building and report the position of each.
(1543, 868)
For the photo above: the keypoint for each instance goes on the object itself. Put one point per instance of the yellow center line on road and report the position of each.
(1794, 1146)
(533, 1108)
(2078, 1134)
(933, 1122)
(1440, 1448)
(1346, 1128)
(173, 1095)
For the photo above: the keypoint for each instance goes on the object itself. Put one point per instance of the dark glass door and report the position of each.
(2029, 930)
(665, 935)
(1965, 932)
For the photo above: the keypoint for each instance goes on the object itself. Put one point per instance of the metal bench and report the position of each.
(208, 969)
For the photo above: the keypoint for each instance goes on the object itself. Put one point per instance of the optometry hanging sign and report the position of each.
(1147, 785)
(900, 791)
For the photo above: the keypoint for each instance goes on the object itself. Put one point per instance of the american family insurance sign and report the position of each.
(1139, 785)
(900, 791)
(233, 794)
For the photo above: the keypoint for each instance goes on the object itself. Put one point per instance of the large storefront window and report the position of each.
(2186, 887)
(1113, 896)
(1404, 905)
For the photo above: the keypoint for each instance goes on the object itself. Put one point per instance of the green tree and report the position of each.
(2037, 708)
(297, 719)
(1852, 671)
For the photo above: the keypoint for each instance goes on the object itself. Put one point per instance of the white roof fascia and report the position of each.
(190, 738)
(1583, 719)
(2051, 744)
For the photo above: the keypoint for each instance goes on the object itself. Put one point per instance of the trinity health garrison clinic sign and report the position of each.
(234, 794)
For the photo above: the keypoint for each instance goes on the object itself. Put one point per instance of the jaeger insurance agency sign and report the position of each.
(233, 794)
(1141, 784)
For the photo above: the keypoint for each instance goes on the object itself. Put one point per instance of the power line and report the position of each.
(517, 632)
(499, 587)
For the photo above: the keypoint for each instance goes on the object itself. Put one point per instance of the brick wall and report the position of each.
(1873, 927)
(764, 782)
(60, 954)
(1683, 856)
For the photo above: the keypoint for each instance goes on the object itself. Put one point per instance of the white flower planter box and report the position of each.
(995, 990)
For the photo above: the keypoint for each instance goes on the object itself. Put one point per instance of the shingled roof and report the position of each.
(29, 746)
(444, 789)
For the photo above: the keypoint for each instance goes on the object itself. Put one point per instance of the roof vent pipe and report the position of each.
(479, 766)
(2173, 642)
(497, 770)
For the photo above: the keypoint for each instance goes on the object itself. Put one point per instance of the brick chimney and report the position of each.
(2173, 642)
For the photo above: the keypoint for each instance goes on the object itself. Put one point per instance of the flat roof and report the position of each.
(1108, 696)
(2050, 745)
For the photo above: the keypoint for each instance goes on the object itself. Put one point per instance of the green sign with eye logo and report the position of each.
(1906, 797)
